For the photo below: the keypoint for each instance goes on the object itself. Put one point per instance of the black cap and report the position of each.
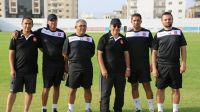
(115, 21)
(52, 16)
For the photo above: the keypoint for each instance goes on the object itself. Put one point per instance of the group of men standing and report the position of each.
(118, 57)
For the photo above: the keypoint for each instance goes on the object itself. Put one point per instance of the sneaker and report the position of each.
(55, 110)
(138, 111)
(88, 110)
(69, 110)
(44, 110)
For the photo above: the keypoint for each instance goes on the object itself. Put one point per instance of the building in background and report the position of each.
(85, 15)
(114, 14)
(21, 8)
(131, 7)
(177, 8)
(38, 8)
(63, 8)
(194, 11)
(151, 9)
(159, 8)
(122, 14)
(146, 8)
(1, 8)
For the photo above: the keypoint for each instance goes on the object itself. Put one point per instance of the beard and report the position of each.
(169, 25)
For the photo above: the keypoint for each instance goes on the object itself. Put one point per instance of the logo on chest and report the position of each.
(34, 39)
(121, 42)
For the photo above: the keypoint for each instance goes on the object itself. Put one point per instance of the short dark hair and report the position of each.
(27, 18)
(166, 13)
(137, 15)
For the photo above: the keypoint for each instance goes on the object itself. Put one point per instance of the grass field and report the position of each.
(190, 100)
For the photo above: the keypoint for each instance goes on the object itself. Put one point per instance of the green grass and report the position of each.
(189, 93)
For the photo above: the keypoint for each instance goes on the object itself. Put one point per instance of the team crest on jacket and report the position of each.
(34, 39)
(59, 34)
(175, 32)
(144, 34)
(121, 42)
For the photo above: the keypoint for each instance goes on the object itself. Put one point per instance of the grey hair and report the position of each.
(81, 20)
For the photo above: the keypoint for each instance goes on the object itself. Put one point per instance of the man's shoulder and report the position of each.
(106, 34)
(121, 35)
(88, 36)
(144, 29)
(175, 28)
(161, 30)
(60, 30)
(39, 29)
(71, 35)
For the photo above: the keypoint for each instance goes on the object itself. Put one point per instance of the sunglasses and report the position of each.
(118, 26)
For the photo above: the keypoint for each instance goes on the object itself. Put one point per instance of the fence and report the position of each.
(100, 25)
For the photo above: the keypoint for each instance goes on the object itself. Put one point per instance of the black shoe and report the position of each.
(138, 111)
(55, 110)
(44, 110)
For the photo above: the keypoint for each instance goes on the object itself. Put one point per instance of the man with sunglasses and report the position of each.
(78, 50)
(140, 40)
(114, 62)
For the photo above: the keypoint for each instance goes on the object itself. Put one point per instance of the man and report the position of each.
(23, 56)
(168, 44)
(114, 62)
(140, 40)
(78, 50)
(52, 40)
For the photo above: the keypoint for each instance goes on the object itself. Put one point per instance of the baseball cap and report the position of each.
(115, 21)
(51, 16)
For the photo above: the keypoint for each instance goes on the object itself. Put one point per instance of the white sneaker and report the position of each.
(88, 110)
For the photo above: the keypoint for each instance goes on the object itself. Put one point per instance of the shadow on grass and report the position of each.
(190, 109)
(182, 109)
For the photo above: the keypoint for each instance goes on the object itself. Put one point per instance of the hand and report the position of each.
(155, 72)
(12, 74)
(182, 68)
(15, 35)
(127, 73)
(105, 74)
